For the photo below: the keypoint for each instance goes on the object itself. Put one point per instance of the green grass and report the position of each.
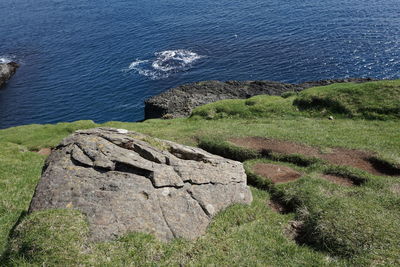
(257, 106)
(342, 226)
(51, 237)
(359, 223)
(241, 235)
(19, 173)
(373, 100)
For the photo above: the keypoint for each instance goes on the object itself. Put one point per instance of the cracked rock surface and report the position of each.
(123, 184)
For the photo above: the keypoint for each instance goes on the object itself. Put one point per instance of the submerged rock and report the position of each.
(6, 71)
(128, 182)
(180, 101)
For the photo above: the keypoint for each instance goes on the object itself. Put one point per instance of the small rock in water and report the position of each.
(6, 71)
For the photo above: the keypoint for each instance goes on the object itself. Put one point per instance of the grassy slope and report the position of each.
(373, 100)
(345, 223)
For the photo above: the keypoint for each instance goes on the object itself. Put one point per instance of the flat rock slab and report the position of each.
(123, 184)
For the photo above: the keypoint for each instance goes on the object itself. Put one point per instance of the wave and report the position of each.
(165, 63)
(136, 63)
(6, 59)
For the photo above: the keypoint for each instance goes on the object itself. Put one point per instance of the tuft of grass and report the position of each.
(225, 149)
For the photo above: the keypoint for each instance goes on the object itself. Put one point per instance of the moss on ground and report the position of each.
(342, 226)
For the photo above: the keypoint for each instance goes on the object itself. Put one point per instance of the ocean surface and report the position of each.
(99, 60)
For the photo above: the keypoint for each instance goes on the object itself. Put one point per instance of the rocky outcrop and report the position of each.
(180, 101)
(123, 184)
(6, 71)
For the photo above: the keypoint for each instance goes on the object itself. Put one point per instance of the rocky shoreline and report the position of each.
(7, 70)
(180, 101)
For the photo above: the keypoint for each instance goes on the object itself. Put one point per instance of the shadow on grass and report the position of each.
(6, 255)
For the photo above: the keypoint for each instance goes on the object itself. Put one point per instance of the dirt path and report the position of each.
(338, 156)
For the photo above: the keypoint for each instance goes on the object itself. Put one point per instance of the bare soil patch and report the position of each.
(353, 158)
(339, 156)
(338, 180)
(44, 151)
(277, 173)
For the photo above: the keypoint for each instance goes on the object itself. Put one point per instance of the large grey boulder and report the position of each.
(128, 182)
(6, 71)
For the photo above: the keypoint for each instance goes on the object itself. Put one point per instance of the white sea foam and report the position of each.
(136, 63)
(8, 58)
(174, 59)
(164, 63)
(4, 60)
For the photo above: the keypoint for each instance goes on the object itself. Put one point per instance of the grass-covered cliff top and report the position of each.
(374, 100)
(308, 221)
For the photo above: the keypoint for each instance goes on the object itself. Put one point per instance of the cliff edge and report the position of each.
(180, 101)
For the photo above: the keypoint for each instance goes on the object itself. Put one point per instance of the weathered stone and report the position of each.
(123, 184)
(6, 71)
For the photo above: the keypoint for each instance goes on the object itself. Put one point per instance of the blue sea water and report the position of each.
(99, 60)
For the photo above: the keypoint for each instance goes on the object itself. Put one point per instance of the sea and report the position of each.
(99, 60)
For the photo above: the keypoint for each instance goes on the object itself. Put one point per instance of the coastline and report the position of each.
(180, 101)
